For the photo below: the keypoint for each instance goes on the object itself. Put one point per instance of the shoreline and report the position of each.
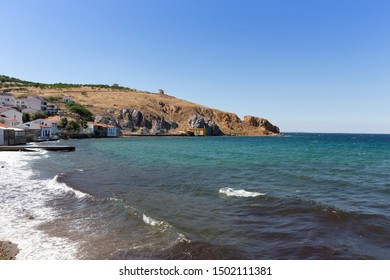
(8, 250)
(27, 148)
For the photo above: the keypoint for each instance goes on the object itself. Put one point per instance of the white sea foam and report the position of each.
(151, 221)
(23, 207)
(65, 188)
(163, 227)
(40, 152)
(183, 239)
(239, 193)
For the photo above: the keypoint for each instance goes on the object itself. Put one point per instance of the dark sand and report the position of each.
(8, 250)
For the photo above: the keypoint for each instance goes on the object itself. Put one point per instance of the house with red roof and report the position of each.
(47, 127)
(37, 130)
(12, 122)
(102, 130)
(12, 113)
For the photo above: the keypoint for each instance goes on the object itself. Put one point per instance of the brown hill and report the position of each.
(154, 113)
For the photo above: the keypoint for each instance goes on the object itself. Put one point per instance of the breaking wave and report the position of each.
(162, 225)
(239, 193)
(54, 183)
(24, 208)
(151, 221)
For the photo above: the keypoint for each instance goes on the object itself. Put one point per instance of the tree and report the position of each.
(63, 123)
(79, 109)
(26, 117)
(83, 123)
(72, 125)
(38, 115)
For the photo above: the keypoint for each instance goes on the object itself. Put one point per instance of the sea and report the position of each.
(298, 196)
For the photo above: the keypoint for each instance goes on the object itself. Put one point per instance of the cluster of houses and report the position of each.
(30, 104)
(13, 131)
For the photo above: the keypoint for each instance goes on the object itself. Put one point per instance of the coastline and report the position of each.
(8, 250)
(28, 148)
(112, 187)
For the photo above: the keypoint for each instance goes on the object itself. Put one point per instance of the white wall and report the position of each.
(6, 99)
(34, 103)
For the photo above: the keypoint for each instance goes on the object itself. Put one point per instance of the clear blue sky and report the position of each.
(310, 65)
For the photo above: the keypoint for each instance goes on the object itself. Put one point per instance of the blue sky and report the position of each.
(312, 66)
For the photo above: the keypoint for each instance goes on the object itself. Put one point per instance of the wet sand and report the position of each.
(8, 250)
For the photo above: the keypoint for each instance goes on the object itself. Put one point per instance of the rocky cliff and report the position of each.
(215, 123)
(143, 112)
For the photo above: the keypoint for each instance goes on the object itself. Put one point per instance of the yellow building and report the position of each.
(198, 131)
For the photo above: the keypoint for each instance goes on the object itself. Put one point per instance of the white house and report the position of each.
(49, 124)
(44, 131)
(32, 130)
(51, 109)
(102, 130)
(11, 136)
(7, 99)
(12, 122)
(21, 102)
(9, 112)
(36, 102)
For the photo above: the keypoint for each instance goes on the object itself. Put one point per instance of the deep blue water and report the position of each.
(300, 196)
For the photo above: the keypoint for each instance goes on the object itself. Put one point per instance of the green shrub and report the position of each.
(72, 125)
(79, 109)
(38, 115)
(54, 99)
(63, 123)
(26, 117)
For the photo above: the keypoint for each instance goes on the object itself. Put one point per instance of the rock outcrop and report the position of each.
(211, 128)
(133, 120)
(268, 127)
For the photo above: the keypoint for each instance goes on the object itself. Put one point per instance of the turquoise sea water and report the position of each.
(300, 196)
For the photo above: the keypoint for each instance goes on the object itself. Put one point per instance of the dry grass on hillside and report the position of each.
(98, 100)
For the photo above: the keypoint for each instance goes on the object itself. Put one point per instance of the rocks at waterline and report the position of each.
(198, 121)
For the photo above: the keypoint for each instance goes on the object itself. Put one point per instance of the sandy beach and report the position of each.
(8, 250)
